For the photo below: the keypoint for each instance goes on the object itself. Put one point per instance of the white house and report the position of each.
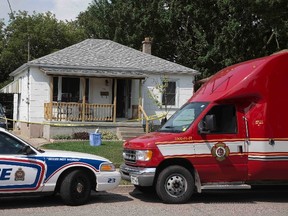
(95, 83)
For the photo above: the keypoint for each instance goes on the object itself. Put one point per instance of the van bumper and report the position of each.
(141, 176)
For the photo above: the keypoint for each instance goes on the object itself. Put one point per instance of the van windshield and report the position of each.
(183, 118)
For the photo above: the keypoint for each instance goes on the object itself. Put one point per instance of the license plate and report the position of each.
(134, 180)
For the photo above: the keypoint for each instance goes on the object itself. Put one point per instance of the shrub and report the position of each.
(62, 137)
(81, 135)
(108, 135)
(105, 135)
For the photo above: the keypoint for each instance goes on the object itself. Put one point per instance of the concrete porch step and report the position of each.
(124, 133)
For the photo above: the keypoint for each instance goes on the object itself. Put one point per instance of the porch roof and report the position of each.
(92, 72)
(98, 57)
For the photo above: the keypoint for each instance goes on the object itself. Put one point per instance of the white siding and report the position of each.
(184, 90)
(98, 85)
(34, 92)
(39, 94)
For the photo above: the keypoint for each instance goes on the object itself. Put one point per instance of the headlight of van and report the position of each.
(143, 155)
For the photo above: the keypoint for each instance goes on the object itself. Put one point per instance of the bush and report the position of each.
(108, 135)
(81, 135)
(105, 135)
(62, 137)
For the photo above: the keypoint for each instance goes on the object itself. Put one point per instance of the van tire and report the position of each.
(175, 184)
(75, 189)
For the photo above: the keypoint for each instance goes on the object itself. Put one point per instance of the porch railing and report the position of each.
(64, 111)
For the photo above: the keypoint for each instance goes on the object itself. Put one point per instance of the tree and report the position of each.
(32, 36)
(204, 35)
(127, 22)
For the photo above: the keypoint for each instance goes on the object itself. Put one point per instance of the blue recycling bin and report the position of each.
(95, 139)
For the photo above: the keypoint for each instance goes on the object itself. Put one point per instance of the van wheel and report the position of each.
(175, 184)
(75, 189)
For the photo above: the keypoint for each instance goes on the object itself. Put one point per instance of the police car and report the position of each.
(28, 170)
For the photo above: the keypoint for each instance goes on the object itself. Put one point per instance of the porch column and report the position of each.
(59, 96)
(140, 99)
(115, 100)
(83, 98)
(51, 99)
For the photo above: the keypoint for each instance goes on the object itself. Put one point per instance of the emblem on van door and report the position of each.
(220, 151)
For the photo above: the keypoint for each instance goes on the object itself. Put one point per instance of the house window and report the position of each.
(70, 89)
(169, 94)
(87, 90)
(55, 88)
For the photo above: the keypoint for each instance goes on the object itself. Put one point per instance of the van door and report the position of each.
(220, 135)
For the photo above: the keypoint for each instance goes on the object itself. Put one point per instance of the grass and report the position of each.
(111, 150)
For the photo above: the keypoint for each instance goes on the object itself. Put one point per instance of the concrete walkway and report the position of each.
(36, 142)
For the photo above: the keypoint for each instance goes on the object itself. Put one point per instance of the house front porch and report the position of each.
(67, 118)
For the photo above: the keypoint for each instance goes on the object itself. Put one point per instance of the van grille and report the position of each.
(129, 156)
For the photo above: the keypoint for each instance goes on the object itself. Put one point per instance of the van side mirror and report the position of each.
(207, 124)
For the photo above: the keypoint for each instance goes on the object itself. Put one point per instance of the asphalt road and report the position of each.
(125, 200)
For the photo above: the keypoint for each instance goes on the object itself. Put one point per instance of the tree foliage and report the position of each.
(204, 35)
(27, 37)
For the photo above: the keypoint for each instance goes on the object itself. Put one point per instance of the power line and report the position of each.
(12, 14)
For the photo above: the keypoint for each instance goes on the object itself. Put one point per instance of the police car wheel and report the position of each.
(175, 184)
(75, 188)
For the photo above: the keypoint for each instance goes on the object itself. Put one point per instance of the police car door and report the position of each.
(20, 171)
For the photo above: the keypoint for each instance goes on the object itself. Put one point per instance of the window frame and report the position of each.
(176, 104)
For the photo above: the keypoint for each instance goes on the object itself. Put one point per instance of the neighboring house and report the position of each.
(92, 84)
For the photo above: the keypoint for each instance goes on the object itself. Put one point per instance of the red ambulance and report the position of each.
(232, 132)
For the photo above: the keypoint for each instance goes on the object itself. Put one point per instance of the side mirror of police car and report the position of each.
(207, 124)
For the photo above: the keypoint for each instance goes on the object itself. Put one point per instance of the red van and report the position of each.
(232, 132)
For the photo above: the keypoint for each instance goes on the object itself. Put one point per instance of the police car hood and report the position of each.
(70, 154)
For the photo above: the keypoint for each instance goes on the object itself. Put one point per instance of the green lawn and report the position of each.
(111, 150)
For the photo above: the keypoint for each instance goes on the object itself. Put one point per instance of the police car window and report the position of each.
(9, 145)
(225, 117)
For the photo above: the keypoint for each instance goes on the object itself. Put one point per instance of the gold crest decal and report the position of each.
(220, 151)
(19, 175)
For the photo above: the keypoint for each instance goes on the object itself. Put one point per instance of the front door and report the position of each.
(123, 98)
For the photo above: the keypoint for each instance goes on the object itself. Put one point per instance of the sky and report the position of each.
(63, 9)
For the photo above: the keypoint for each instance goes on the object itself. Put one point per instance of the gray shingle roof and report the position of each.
(93, 56)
